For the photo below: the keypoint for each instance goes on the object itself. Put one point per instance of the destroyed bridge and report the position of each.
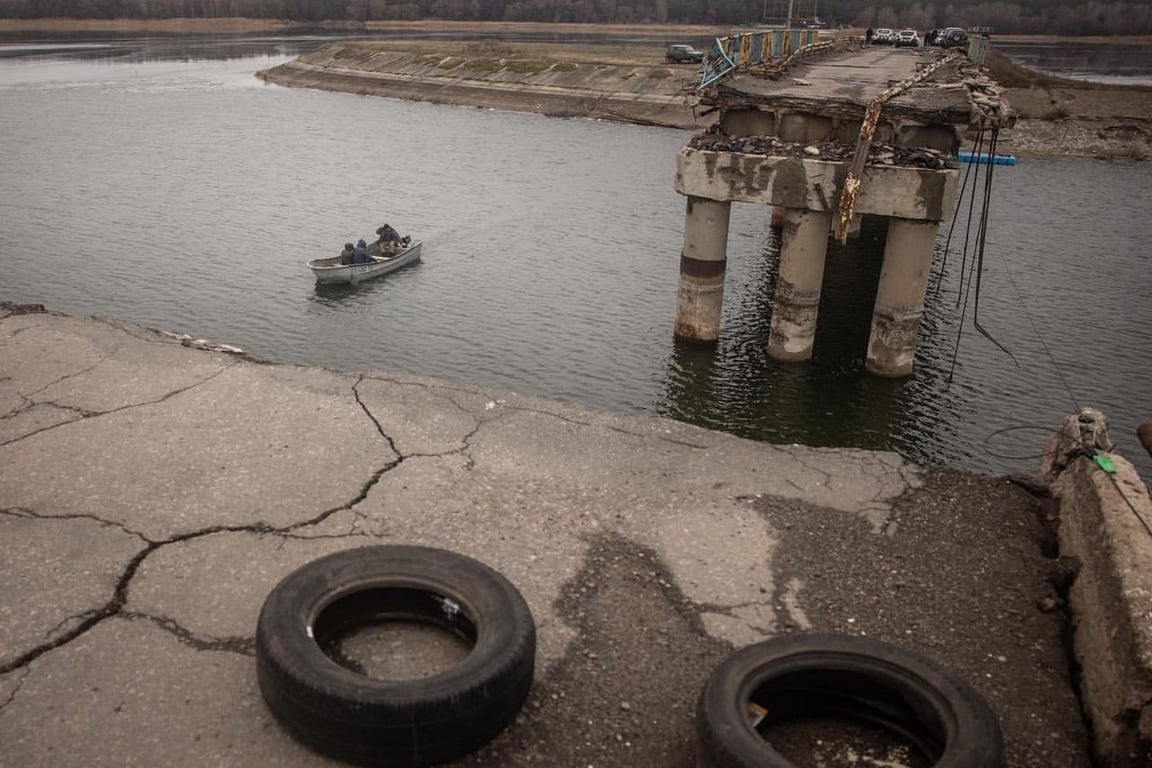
(827, 132)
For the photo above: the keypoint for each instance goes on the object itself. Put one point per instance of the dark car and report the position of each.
(683, 53)
(953, 37)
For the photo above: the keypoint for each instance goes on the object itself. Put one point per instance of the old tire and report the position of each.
(847, 677)
(420, 722)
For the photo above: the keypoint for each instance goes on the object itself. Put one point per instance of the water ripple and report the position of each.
(189, 199)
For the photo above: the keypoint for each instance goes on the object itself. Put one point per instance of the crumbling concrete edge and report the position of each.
(1106, 524)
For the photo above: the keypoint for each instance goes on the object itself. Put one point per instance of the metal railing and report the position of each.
(749, 48)
(978, 48)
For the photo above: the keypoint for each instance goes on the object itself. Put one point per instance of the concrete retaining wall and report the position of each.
(1104, 522)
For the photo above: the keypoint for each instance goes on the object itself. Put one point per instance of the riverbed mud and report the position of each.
(606, 82)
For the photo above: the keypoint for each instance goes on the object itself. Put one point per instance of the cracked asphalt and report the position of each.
(151, 494)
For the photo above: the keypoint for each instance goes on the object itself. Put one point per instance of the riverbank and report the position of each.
(1062, 117)
(629, 82)
(632, 83)
(612, 82)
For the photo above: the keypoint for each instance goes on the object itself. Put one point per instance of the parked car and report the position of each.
(683, 53)
(883, 36)
(953, 37)
(907, 38)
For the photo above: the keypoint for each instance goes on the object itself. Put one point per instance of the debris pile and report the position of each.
(989, 109)
(878, 154)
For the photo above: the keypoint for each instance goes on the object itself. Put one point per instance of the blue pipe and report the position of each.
(972, 157)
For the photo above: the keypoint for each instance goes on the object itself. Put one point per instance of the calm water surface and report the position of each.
(181, 192)
(1122, 64)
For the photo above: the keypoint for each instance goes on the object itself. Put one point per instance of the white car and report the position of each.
(907, 38)
(883, 36)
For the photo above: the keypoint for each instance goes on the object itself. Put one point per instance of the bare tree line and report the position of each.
(1062, 17)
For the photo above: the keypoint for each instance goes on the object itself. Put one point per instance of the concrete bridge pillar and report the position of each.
(703, 262)
(900, 296)
(803, 246)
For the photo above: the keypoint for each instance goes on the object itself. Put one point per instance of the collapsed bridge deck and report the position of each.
(825, 138)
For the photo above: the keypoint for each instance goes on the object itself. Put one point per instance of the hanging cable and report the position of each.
(956, 212)
(980, 241)
(1039, 336)
(968, 224)
(965, 287)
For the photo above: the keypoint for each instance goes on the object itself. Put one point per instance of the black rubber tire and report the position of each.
(848, 677)
(418, 722)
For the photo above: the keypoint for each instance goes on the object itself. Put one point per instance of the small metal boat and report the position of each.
(330, 270)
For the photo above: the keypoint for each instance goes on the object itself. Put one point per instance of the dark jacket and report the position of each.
(360, 254)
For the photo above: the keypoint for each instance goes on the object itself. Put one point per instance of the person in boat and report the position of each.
(389, 240)
(360, 253)
(346, 254)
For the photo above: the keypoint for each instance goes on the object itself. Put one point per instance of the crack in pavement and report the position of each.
(245, 646)
(465, 447)
(610, 427)
(67, 376)
(814, 469)
(15, 689)
(98, 414)
(115, 605)
(29, 514)
(33, 405)
(662, 438)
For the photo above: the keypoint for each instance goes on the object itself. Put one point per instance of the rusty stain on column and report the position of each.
(703, 262)
(803, 247)
(900, 296)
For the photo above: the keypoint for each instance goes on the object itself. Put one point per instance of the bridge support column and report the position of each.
(703, 262)
(900, 296)
(803, 246)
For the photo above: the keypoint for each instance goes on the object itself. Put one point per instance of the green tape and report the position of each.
(1105, 463)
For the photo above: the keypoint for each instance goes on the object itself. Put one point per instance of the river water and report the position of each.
(173, 188)
(1121, 64)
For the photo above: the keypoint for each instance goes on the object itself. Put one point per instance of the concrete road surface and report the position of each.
(152, 493)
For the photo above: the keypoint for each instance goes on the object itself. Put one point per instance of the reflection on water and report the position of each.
(735, 386)
(550, 260)
(81, 46)
(131, 48)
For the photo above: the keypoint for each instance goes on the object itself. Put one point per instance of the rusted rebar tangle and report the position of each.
(864, 143)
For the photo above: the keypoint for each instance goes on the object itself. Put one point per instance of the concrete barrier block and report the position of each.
(1105, 521)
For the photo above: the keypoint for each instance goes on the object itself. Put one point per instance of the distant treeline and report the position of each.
(1058, 17)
